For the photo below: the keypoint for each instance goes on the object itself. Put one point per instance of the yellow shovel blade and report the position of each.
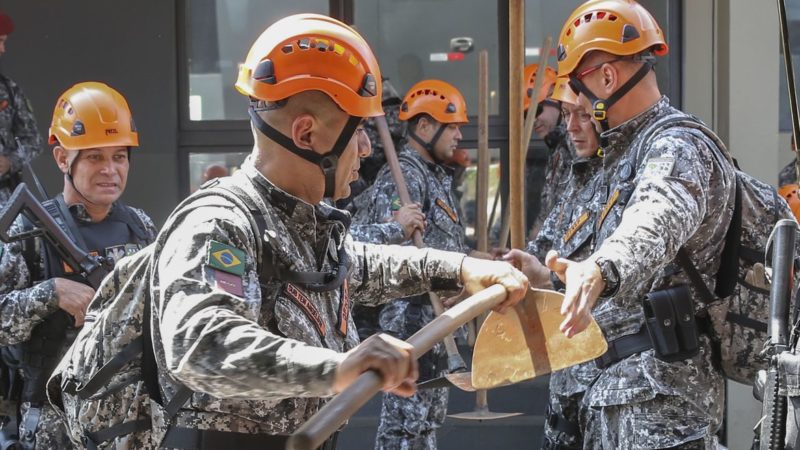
(525, 342)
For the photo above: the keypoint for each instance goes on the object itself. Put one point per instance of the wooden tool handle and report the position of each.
(328, 419)
(402, 191)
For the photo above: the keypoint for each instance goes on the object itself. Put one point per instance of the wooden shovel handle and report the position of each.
(402, 191)
(328, 419)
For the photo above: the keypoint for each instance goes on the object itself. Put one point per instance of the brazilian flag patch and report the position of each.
(396, 204)
(226, 258)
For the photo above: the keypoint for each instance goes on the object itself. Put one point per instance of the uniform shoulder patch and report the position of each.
(659, 167)
(225, 258)
(446, 208)
(396, 203)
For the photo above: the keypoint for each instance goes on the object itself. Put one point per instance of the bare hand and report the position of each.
(538, 275)
(584, 284)
(5, 165)
(478, 274)
(74, 298)
(410, 217)
(388, 356)
(498, 252)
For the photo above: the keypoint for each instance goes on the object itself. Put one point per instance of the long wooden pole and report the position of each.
(516, 62)
(483, 152)
(454, 359)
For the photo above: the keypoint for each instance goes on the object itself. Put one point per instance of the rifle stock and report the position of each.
(23, 202)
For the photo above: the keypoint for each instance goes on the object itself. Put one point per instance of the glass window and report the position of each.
(420, 39)
(207, 166)
(219, 33)
(793, 19)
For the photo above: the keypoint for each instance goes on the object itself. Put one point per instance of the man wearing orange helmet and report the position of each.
(666, 201)
(434, 112)
(20, 141)
(549, 127)
(255, 327)
(41, 302)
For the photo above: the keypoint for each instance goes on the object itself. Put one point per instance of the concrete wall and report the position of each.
(129, 45)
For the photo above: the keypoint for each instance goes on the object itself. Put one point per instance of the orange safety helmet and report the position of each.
(563, 93)
(91, 115)
(790, 194)
(460, 158)
(619, 27)
(530, 81)
(6, 24)
(307, 52)
(438, 99)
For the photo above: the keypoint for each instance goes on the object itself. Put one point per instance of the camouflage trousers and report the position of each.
(411, 423)
(50, 432)
(664, 422)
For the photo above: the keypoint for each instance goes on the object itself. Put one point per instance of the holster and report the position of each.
(669, 317)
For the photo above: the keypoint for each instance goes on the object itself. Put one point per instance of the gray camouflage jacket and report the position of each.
(678, 192)
(556, 176)
(16, 121)
(262, 355)
(25, 302)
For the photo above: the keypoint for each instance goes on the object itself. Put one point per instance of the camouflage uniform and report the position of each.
(29, 304)
(16, 121)
(676, 193)
(567, 230)
(261, 354)
(411, 423)
(557, 172)
(788, 175)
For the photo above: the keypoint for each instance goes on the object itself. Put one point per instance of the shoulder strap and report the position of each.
(134, 222)
(58, 208)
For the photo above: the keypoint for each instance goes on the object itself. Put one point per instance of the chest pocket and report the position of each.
(610, 212)
(297, 315)
(444, 230)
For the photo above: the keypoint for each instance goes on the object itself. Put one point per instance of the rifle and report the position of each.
(773, 423)
(92, 268)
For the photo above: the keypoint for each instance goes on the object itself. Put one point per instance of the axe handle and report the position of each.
(402, 191)
(516, 63)
(483, 152)
(331, 416)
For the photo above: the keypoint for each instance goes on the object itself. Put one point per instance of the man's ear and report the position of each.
(61, 155)
(303, 128)
(610, 79)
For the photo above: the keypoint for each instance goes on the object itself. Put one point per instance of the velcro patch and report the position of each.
(659, 167)
(229, 282)
(304, 303)
(576, 226)
(609, 204)
(344, 309)
(450, 213)
(225, 258)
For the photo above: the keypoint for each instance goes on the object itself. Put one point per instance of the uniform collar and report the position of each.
(440, 170)
(81, 214)
(295, 209)
(616, 140)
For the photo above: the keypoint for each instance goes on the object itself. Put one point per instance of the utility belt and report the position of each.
(670, 328)
(191, 439)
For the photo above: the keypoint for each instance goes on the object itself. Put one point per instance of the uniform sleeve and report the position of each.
(384, 272)
(666, 208)
(211, 339)
(24, 128)
(22, 306)
(378, 233)
(149, 225)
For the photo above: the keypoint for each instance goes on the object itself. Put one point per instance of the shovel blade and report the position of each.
(526, 342)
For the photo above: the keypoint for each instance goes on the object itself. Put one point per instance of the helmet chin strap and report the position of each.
(429, 145)
(327, 162)
(601, 106)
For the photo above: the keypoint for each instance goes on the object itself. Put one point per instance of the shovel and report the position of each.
(526, 342)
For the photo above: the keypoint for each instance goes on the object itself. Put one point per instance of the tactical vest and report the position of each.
(121, 233)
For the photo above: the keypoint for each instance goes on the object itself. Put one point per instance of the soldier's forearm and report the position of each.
(22, 309)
